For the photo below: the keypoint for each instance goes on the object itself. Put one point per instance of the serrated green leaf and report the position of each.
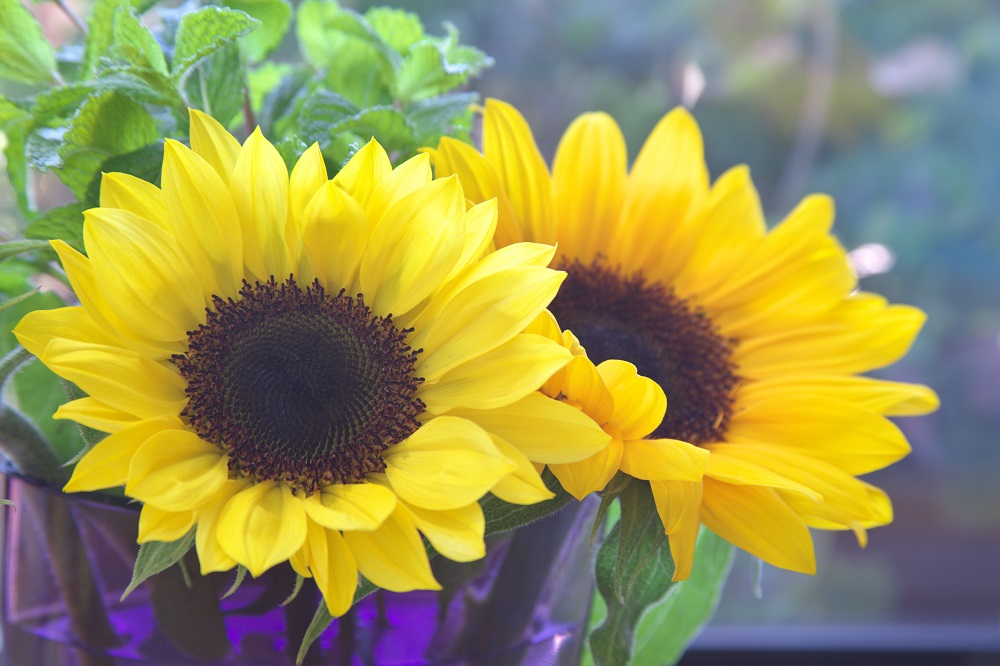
(60, 102)
(426, 72)
(106, 125)
(279, 108)
(386, 123)
(42, 148)
(441, 115)
(290, 148)
(216, 84)
(25, 55)
(156, 556)
(202, 33)
(668, 627)
(64, 223)
(16, 247)
(503, 517)
(100, 34)
(633, 571)
(321, 111)
(397, 28)
(16, 131)
(134, 43)
(143, 84)
(275, 17)
(10, 110)
(358, 63)
(144, 163)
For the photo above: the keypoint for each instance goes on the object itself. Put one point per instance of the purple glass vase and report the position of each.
(68, 559)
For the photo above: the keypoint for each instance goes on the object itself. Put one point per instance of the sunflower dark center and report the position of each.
(298, 385)
(668, 340)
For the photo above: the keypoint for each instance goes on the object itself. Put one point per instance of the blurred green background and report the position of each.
(892, 107)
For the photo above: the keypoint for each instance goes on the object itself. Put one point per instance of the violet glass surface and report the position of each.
(68, 559)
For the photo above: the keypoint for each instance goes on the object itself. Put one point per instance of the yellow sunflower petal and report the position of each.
(682, 547)
(121, 190)
(456, 533)
(177, 471)
(410, 176)
(497, 378)
(678, 504)
(119, 378)
(590, 474)
(480, 183)
(510, 148)
(353, 506)
(582, 385)
(202, 214)
(159, 525)
(447, 463)
(308, 176)
(412, 250)
(393, 556)
(639, 401)
(480, 225)
(546, 430)
(334, 235)
(332, 564)
(95, 414)
(885, 397)
(669, 178)
(511, 297)
(80, 273)
(214, 144)
(260, 192)
(524, 484)
(145, 276)
(855, 439)
(663, 460)
(262, 525)
(588, 183)
(39, 327)
(744, 471)
(106, 465)
(363, 172)
(211, 556)
(758, 521)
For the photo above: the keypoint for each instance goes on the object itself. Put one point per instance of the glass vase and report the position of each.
(69, 557)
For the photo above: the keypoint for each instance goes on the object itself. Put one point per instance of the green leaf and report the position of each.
(61, 102)
(263, 79)
(504, 517)
(25, 55)
(202, 33)
(100, 34)
(106, 125)
(386, 123)
(156, 556)
(442, 115)
(14, 248)
(42, 148)
(281, 102)
(320, 622)
(633, 572)
(145, 163)
(241, 574)
(10, 110)
(669, 626)
(397, 28)
(17, 131)
(274, 15)
(134, 43)
(290, 148)
(320, 112)
(217, 85)
(358, 62)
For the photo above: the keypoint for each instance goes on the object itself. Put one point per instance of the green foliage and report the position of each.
(157, 556)
(204, 32)
(63, 222)
(25, 56)
(275, 17)
(633, 570)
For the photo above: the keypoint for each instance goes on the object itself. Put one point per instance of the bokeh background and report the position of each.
(892, 107)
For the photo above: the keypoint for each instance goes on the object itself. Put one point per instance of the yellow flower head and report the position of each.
(756, 336)
(305, 369)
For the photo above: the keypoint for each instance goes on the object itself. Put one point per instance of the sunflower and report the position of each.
(279, 359)
(628, 406)
(756, 336)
